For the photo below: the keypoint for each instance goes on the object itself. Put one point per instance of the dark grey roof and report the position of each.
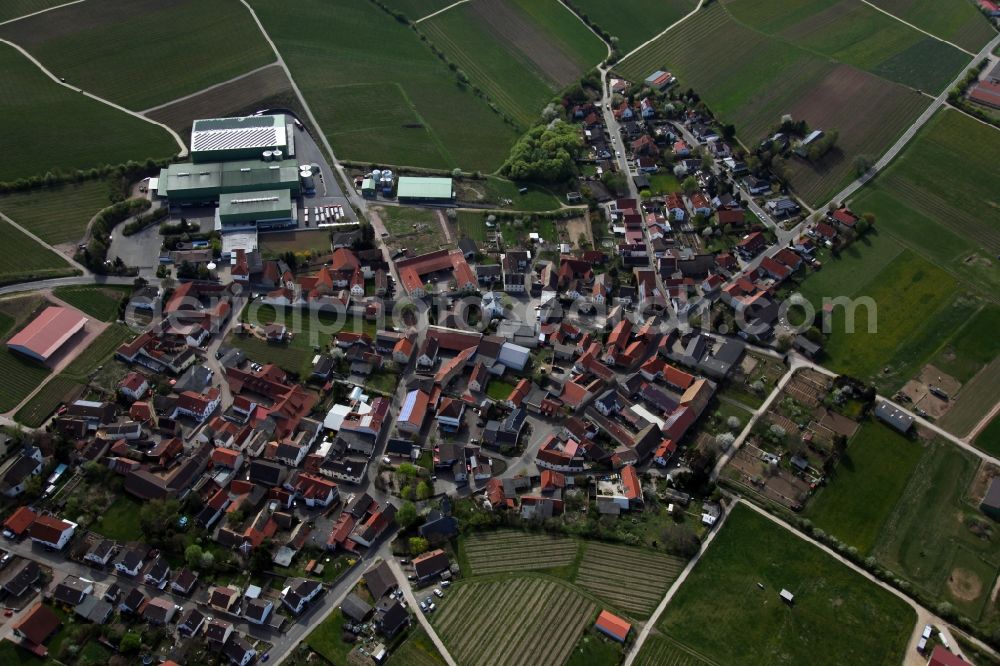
(355, 608)
(894, 416)
(21, 577)
(93, 609)
(394, 617)
(379, 579)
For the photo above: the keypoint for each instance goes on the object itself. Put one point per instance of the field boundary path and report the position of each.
(182, 152)
(441, 11)
(663, 32)
(672, 590)
(912, 130)
(209, 88)
(907, 23)
(72, 262)
(590, 28)
(983, 422)
(40, 11)
(924, 616)
(411, 599)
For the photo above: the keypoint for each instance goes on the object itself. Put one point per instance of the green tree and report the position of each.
(423, 490)
(131, 643)
(407, 515)
(690, 185)
(418, 545)
(192, 555)
(545, 153)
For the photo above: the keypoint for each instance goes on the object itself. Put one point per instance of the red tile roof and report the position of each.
(20, 520)
(630, 479)
(40, 623)
(48, 331)
(942, 657)
(613, 625)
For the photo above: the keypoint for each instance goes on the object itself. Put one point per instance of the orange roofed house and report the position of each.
(413, 270)
(613, 626)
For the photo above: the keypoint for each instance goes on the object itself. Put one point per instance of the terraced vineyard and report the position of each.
(508, 550)
(632, 579)
(517, 620)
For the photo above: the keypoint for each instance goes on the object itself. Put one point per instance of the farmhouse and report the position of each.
(412, 189)
(413, 271)
(47, 333)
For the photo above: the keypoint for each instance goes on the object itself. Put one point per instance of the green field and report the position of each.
(915, 310)
(512, 620)
(25, 260)
(572, 36)
(595, 649)
(57, 214)
(973, 347)
(99, 302)
(55, 392)
(508, 551)
(989, 438)
(868, 481)
(721, 613)
(49, 126)
(417, 229)
(940, 197)
(638, 582)
(751, 79)
(511, 82)
(142, 53)
(472, 224)
(380, 94)
(659, 650)
(22, 374)
(98, 351)
(856, 34)
(957, 21)
(11, 9)
(326, 639)
(416, 650)
(633, 21)
(928, 541)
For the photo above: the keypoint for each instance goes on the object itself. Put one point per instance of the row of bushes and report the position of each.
(957, 98)
(131, 171)
(146, 220)
(608, 38)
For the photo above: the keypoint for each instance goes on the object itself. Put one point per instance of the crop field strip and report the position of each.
(974, 402)
(751, 79)
(21, 376)
(56, 391)
(49, 126)
(517, 551)
(511, 75)
(565, 31)
(500, 622)
(632, 579)
(856, 34)
(635, 21)
(12, 9)
(140, 53)
(24, 259)
(660, 650)
(957, 21)
(379, 93)
(57, 214)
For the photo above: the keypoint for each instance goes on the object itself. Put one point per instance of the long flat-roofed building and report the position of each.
(247, 137)
(265, 209)
(426, 190)
(187, 182)
(47, 332)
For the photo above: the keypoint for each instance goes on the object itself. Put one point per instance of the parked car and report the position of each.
(438, 592)
(446, 583)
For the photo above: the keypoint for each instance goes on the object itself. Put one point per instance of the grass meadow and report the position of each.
(416, 650)
(379, 93)
(721, 613)
(635, 21)
(927, 539)
(48, 126)
(141, 53)
(57, 214)
(863, 490)
(989, 438)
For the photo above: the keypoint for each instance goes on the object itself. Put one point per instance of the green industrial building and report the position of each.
(190, 183)
(425, 190)
(245, 138)
(262, 209)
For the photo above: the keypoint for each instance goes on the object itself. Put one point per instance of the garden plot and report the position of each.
(518, 551)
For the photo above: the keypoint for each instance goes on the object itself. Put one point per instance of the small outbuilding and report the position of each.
(893, 416)
(613, 626)
(991, 501)
(787, 597)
